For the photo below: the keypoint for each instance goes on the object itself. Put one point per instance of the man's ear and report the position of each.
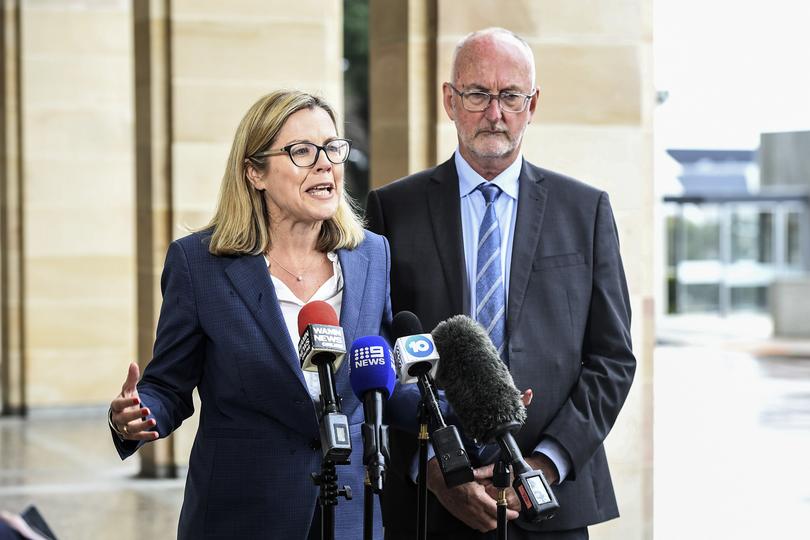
(447, 100)
(533, 103)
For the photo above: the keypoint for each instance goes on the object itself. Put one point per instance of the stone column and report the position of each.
(402, 59)
(76, 211)
(12, 268)
(153, 189)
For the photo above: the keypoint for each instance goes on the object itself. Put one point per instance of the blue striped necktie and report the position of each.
(490, 309)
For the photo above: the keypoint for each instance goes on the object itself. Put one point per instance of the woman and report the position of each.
(283, 234)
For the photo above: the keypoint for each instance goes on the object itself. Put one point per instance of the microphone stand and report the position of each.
(368, 510)
(328, 497)
(375, 456)
(421, 486)
(336, 447)
(500, 479)
(450, 452)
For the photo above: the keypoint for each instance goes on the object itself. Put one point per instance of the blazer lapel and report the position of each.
(252, 282)
(444, 206)
(354, 266)
(532, 196)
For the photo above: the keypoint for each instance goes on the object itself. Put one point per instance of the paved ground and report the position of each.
(65, 463)
(732, 450)
(732, 445)
(732, 432)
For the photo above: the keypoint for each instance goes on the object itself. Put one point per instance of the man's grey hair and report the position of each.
(496, 31)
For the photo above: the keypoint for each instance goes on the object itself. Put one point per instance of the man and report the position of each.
(536, 261)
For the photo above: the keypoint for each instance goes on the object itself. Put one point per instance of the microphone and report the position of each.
(416, 358)
(322, 349)
(414, 351)
(481, 391)
(321, 336)
(371, 374)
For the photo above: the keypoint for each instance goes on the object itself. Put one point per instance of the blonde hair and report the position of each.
(241, 224)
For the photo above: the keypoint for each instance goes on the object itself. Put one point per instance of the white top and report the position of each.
(330, 292)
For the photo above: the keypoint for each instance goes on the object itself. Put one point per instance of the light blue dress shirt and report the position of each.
(472, 213)
(473, 208)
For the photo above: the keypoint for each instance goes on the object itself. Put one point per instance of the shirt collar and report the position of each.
(331, 255)
(330, 287)
(469, 180)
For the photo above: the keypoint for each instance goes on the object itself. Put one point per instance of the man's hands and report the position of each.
(485, 474)
(474, 502)
(470, 502)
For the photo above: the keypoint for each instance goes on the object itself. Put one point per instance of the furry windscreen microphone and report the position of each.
(477, 384)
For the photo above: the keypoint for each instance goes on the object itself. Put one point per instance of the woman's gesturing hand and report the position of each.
(127, 417)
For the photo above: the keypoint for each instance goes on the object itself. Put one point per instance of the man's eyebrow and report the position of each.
(512, 88)
(475, 87)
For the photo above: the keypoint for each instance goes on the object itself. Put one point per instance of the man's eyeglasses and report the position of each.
(305, 154)
(478, 101)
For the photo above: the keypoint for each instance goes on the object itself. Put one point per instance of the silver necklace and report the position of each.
(298, 276)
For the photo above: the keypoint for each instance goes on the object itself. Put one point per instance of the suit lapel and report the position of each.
(444, 206)
(354, 266)
(532, 196)
(252, 282)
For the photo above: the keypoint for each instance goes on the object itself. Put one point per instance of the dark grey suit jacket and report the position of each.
(568, 322)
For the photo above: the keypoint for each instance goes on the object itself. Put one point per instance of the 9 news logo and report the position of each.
(369, 356)
(419, 346)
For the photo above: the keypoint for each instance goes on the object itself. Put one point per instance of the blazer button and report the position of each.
(315, 444)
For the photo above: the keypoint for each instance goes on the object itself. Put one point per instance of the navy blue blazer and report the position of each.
(221, 331)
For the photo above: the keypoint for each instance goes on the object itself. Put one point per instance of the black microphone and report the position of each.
(322, 348)
(482, 393)
(416, 357)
